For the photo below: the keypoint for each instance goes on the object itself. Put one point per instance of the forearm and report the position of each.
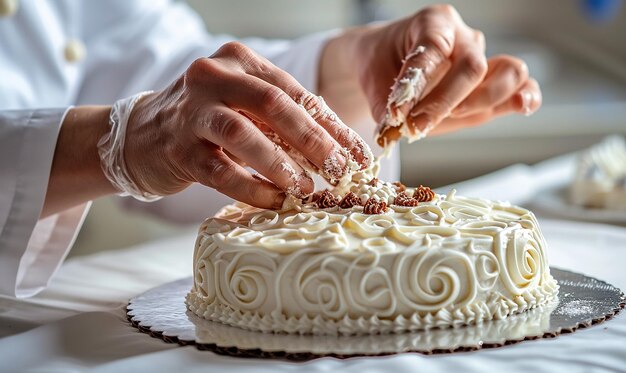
(338, 79)
(76, 176)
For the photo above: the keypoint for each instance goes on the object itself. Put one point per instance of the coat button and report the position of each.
(8, 7)
(74, 51)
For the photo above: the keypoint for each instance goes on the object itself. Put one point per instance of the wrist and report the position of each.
(112, 151)
(77, 145)
(76, 175)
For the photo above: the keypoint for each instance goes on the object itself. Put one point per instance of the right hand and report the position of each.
(214, 119)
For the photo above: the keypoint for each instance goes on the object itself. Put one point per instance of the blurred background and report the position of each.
(575, 49)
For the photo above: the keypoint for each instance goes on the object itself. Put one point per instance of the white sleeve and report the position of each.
(30, 249)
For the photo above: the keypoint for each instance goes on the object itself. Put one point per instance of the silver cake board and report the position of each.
(582, 302)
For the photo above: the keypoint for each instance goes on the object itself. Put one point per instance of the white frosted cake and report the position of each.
(372, 257)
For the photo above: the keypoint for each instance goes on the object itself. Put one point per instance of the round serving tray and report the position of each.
(583, 301)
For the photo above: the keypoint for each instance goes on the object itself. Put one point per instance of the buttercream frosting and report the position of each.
(449, 262)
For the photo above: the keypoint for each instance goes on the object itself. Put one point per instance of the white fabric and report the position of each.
(49, 332)
(518, 183)
(131, 46)
(27, 141)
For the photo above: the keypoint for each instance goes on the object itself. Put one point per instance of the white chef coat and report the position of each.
(58, 53)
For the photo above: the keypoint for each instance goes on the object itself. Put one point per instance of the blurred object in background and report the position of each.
(575, 49)
(602, 10)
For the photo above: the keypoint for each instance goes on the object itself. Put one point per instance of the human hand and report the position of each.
(444, 80)
(231, 109)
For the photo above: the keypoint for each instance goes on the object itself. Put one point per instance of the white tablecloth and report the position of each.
(79, 322)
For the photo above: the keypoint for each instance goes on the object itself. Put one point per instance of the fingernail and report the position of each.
(335, 164)
(526, 99)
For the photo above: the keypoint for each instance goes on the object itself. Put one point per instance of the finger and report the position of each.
(505, 75)
(270, 96)
(469, 67)
(317, 108)
(234, 159)
(421, 70)
(525, 101)
(221, 173)
(258, 66)
(449, 125)
(239, 136)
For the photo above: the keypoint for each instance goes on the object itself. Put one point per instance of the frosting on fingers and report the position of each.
(405, 93)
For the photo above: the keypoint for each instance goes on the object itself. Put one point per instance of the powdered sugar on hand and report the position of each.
(296, 178)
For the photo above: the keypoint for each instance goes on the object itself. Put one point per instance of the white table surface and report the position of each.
(79, 322)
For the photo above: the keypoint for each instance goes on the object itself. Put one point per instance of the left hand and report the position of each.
(460, 87)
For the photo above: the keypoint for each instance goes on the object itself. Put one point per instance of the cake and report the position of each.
(369, 257)
(600, 177)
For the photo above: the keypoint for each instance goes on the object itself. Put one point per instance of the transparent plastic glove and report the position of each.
(439, 75)
(232, 109)
(111, 150)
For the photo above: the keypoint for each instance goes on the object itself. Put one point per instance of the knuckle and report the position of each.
(475, 65)
(276, 166)
(274, 101)
(519, 69)
(441, 41)
(220, 173)
(479, 37)
(514, 67)
(311, 139)
(438, 9)
(234, 49)
(447, 9)
(232, 130)
(311, 104)
(201, 68)
(426, 12)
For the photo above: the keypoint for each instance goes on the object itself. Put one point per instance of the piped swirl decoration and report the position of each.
(445, 262)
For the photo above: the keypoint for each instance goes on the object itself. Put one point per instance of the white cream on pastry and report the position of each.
(449, 262)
